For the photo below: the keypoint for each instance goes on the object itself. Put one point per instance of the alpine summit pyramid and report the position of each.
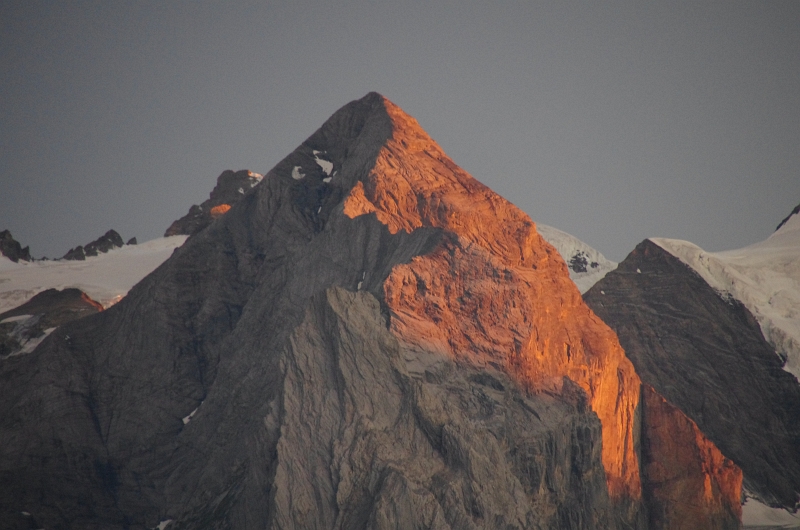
(368, 338)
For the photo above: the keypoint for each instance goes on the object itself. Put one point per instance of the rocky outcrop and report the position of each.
(102, 244)
(10, 248)
(795, 211)
(22, 328)
(421, 443)
(230, 188)
(368, 339)
(707, 356)
(493, 293)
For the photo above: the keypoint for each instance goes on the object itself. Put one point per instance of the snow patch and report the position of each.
(326, 165)
(163, 524)
(187, 419)
(241, 190)
(296, 173)
(586, 265)
(327, 179)
(764, 277)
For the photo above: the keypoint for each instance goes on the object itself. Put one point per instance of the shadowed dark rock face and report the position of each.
(231, 187)
(707, 356)
(10, 248)
(262, 377)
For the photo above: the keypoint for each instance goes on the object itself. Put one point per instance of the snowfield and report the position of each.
(758, 515)
(578, 255)
(105, 278)
(765, 277)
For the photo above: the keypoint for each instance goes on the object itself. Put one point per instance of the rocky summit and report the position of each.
(367, 338)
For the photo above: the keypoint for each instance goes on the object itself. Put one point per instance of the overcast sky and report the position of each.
(613, 121)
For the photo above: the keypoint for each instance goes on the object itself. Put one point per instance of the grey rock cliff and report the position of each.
(707, 356)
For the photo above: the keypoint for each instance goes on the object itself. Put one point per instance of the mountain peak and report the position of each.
(231, 186)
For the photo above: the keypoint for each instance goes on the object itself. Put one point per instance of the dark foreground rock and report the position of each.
(10, 248)
(707, 355)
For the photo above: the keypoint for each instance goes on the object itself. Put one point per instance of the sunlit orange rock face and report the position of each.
(220, 210)
(494, 292)
(690, 484)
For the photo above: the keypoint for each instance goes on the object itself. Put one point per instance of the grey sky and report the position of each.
(613, 121)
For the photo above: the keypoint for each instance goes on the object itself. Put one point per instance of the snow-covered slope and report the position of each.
(758, 515)
(586, 265)
(105, 278)
(765, 277)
